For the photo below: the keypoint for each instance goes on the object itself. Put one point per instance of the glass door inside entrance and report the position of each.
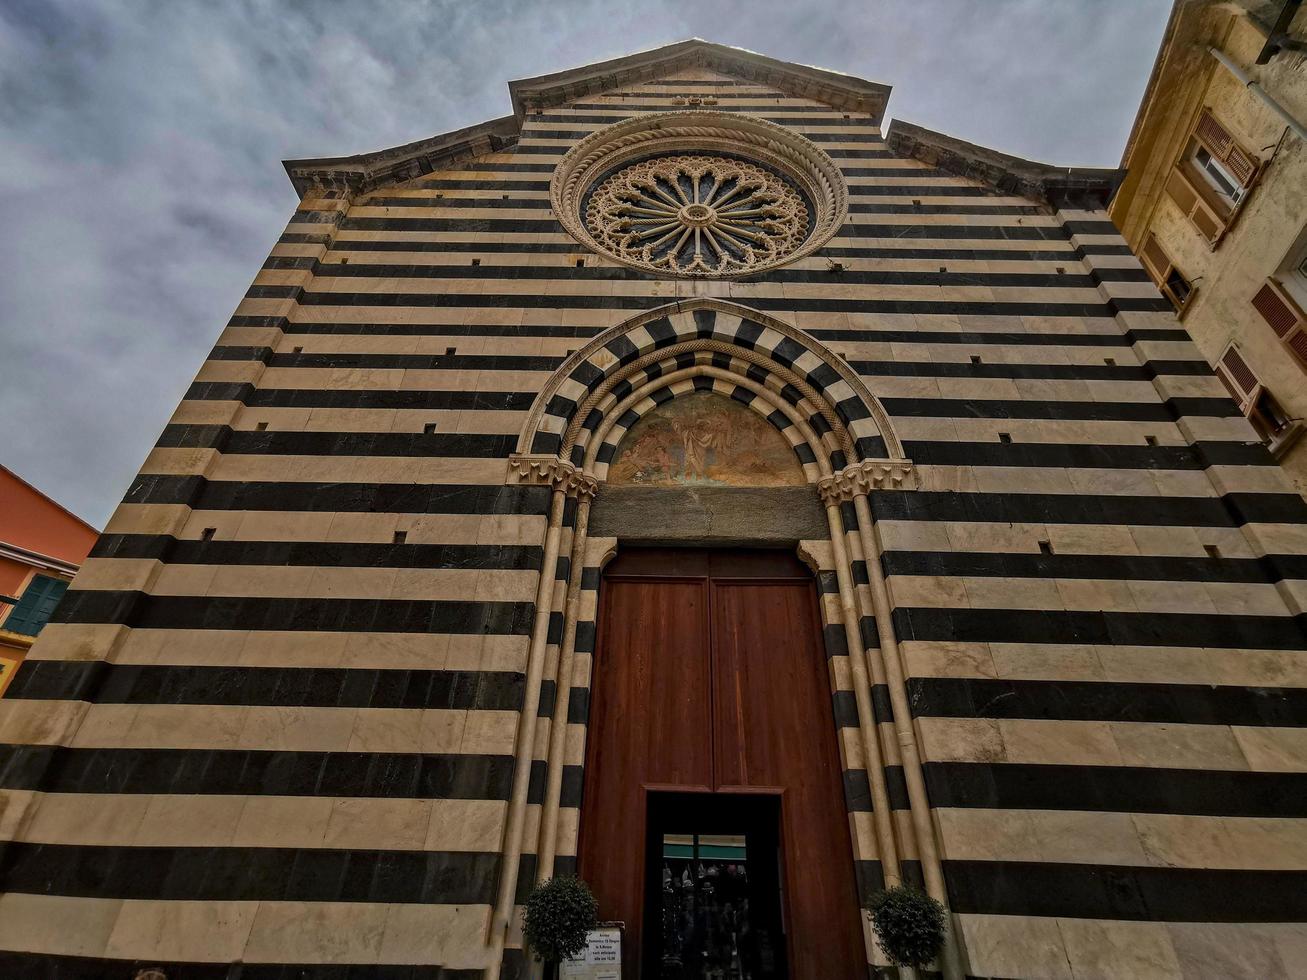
(713, 905)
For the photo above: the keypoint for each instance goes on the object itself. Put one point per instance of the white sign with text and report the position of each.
(600, 960)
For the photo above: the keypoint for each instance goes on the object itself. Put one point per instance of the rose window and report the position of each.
(700, 194)
(698, 215)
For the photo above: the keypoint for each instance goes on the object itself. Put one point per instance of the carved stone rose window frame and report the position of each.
(766, 232)
(697, 215)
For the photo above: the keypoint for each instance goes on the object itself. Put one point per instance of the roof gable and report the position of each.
(366, 171)
(835, 89)
(1075, 187)
(694, 59)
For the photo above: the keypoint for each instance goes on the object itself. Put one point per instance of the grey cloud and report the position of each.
(140, 148)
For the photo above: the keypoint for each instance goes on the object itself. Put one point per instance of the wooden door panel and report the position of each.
(774, 727)
(705, 681)
(764, 682)
(651, 724)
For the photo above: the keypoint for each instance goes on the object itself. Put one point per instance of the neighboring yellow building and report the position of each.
(1215, 201)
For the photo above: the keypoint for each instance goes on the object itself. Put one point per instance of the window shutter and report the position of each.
(1221, 145)
(1171, 282)
(1215, 136)
(1195, 208)
(1297, 343)
(1238, 377)
(35, 605)
(1272, 424)
(1155, 259)
(1242, 165)
(1284, 317)
(1180, 191)
(1207, 222)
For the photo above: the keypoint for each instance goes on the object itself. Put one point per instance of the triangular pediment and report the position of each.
(841, 91)
(690, 61)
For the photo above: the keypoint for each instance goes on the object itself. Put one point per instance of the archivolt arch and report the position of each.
(735, 342)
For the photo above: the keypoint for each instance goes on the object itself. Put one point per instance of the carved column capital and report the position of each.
(578, 484)
(862, 478)
(542, 469)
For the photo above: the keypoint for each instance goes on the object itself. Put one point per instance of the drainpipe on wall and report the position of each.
(1259, 92)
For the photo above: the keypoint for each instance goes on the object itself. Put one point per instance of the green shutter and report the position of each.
(35, 606)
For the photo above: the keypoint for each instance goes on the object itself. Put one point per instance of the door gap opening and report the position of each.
(713, 902)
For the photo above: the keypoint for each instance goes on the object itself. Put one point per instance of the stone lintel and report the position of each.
(717, 516)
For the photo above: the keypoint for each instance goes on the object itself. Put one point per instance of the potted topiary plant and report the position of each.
(909, 925)
(559, 913)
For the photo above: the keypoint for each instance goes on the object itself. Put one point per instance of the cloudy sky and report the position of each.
(140, 148)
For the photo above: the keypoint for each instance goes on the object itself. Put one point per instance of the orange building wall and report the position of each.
(30, 520)
(13, 576)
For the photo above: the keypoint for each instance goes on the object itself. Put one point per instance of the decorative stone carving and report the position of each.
(697, 215)
(541, 469)
(536, 469)
(866, 476)
(795, 169)
(578, 484)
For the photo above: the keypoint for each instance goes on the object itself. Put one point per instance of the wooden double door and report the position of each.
(711, 702)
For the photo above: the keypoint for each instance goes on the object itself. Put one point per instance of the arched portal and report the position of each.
(845, 447)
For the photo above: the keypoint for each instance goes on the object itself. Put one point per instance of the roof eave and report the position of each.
(1169, 34)
(366, 171)
(1058, 187)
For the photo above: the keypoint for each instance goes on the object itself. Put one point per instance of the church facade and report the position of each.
(681, 484)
